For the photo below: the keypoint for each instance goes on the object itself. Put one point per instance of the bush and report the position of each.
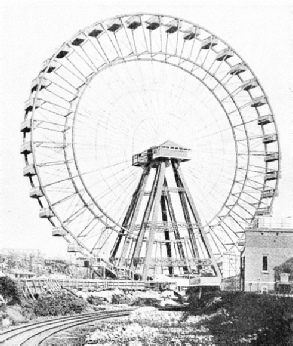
(121, 299)
(9, 290)
(96, 300)
(27, 307)
(59, 303)
(146, 302)
(202, 299)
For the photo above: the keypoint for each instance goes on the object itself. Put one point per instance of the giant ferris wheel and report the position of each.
(147, 138)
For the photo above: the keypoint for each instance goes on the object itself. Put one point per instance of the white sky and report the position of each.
(30, 31)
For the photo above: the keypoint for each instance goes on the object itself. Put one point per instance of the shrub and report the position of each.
(121, 299)
(9, 290)
(146, 302)
(27, 307)
(96, 300)
(203, 300)
(59, 303)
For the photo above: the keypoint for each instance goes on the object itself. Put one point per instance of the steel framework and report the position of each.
(186, 245)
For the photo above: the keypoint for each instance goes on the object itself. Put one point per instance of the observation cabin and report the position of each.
(167, 150)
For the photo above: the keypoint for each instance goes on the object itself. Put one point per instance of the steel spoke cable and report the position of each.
(109, 176)
(216, 194)
(133, 111)
(221, 190)
(109, 190)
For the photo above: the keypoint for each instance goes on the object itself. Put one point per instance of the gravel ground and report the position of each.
(149, 326)
(146, 326)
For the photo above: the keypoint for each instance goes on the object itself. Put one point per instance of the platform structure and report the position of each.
(162, 233)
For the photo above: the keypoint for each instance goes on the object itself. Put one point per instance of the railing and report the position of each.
(102, 284)
(271, 222)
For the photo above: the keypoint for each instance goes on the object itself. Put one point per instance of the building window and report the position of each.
(265, 263)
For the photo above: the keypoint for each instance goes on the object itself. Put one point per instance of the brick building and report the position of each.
(268, 244)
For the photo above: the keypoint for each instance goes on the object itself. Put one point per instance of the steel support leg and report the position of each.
(157, 197)
(174, 223)
(182, 195)
(131, 212)
(197, 218)
(137, 203)
(146, 216)
(166, 232)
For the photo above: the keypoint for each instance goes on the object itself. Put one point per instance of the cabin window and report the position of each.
(265, 263)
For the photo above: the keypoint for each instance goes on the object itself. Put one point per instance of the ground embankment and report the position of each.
(212, 317)
(15, 308)
(244, 318)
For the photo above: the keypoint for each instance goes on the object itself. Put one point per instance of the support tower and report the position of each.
(162, 232)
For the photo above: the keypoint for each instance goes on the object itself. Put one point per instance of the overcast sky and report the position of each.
(260, 31)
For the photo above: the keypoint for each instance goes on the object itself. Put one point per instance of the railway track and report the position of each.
(35, 334)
